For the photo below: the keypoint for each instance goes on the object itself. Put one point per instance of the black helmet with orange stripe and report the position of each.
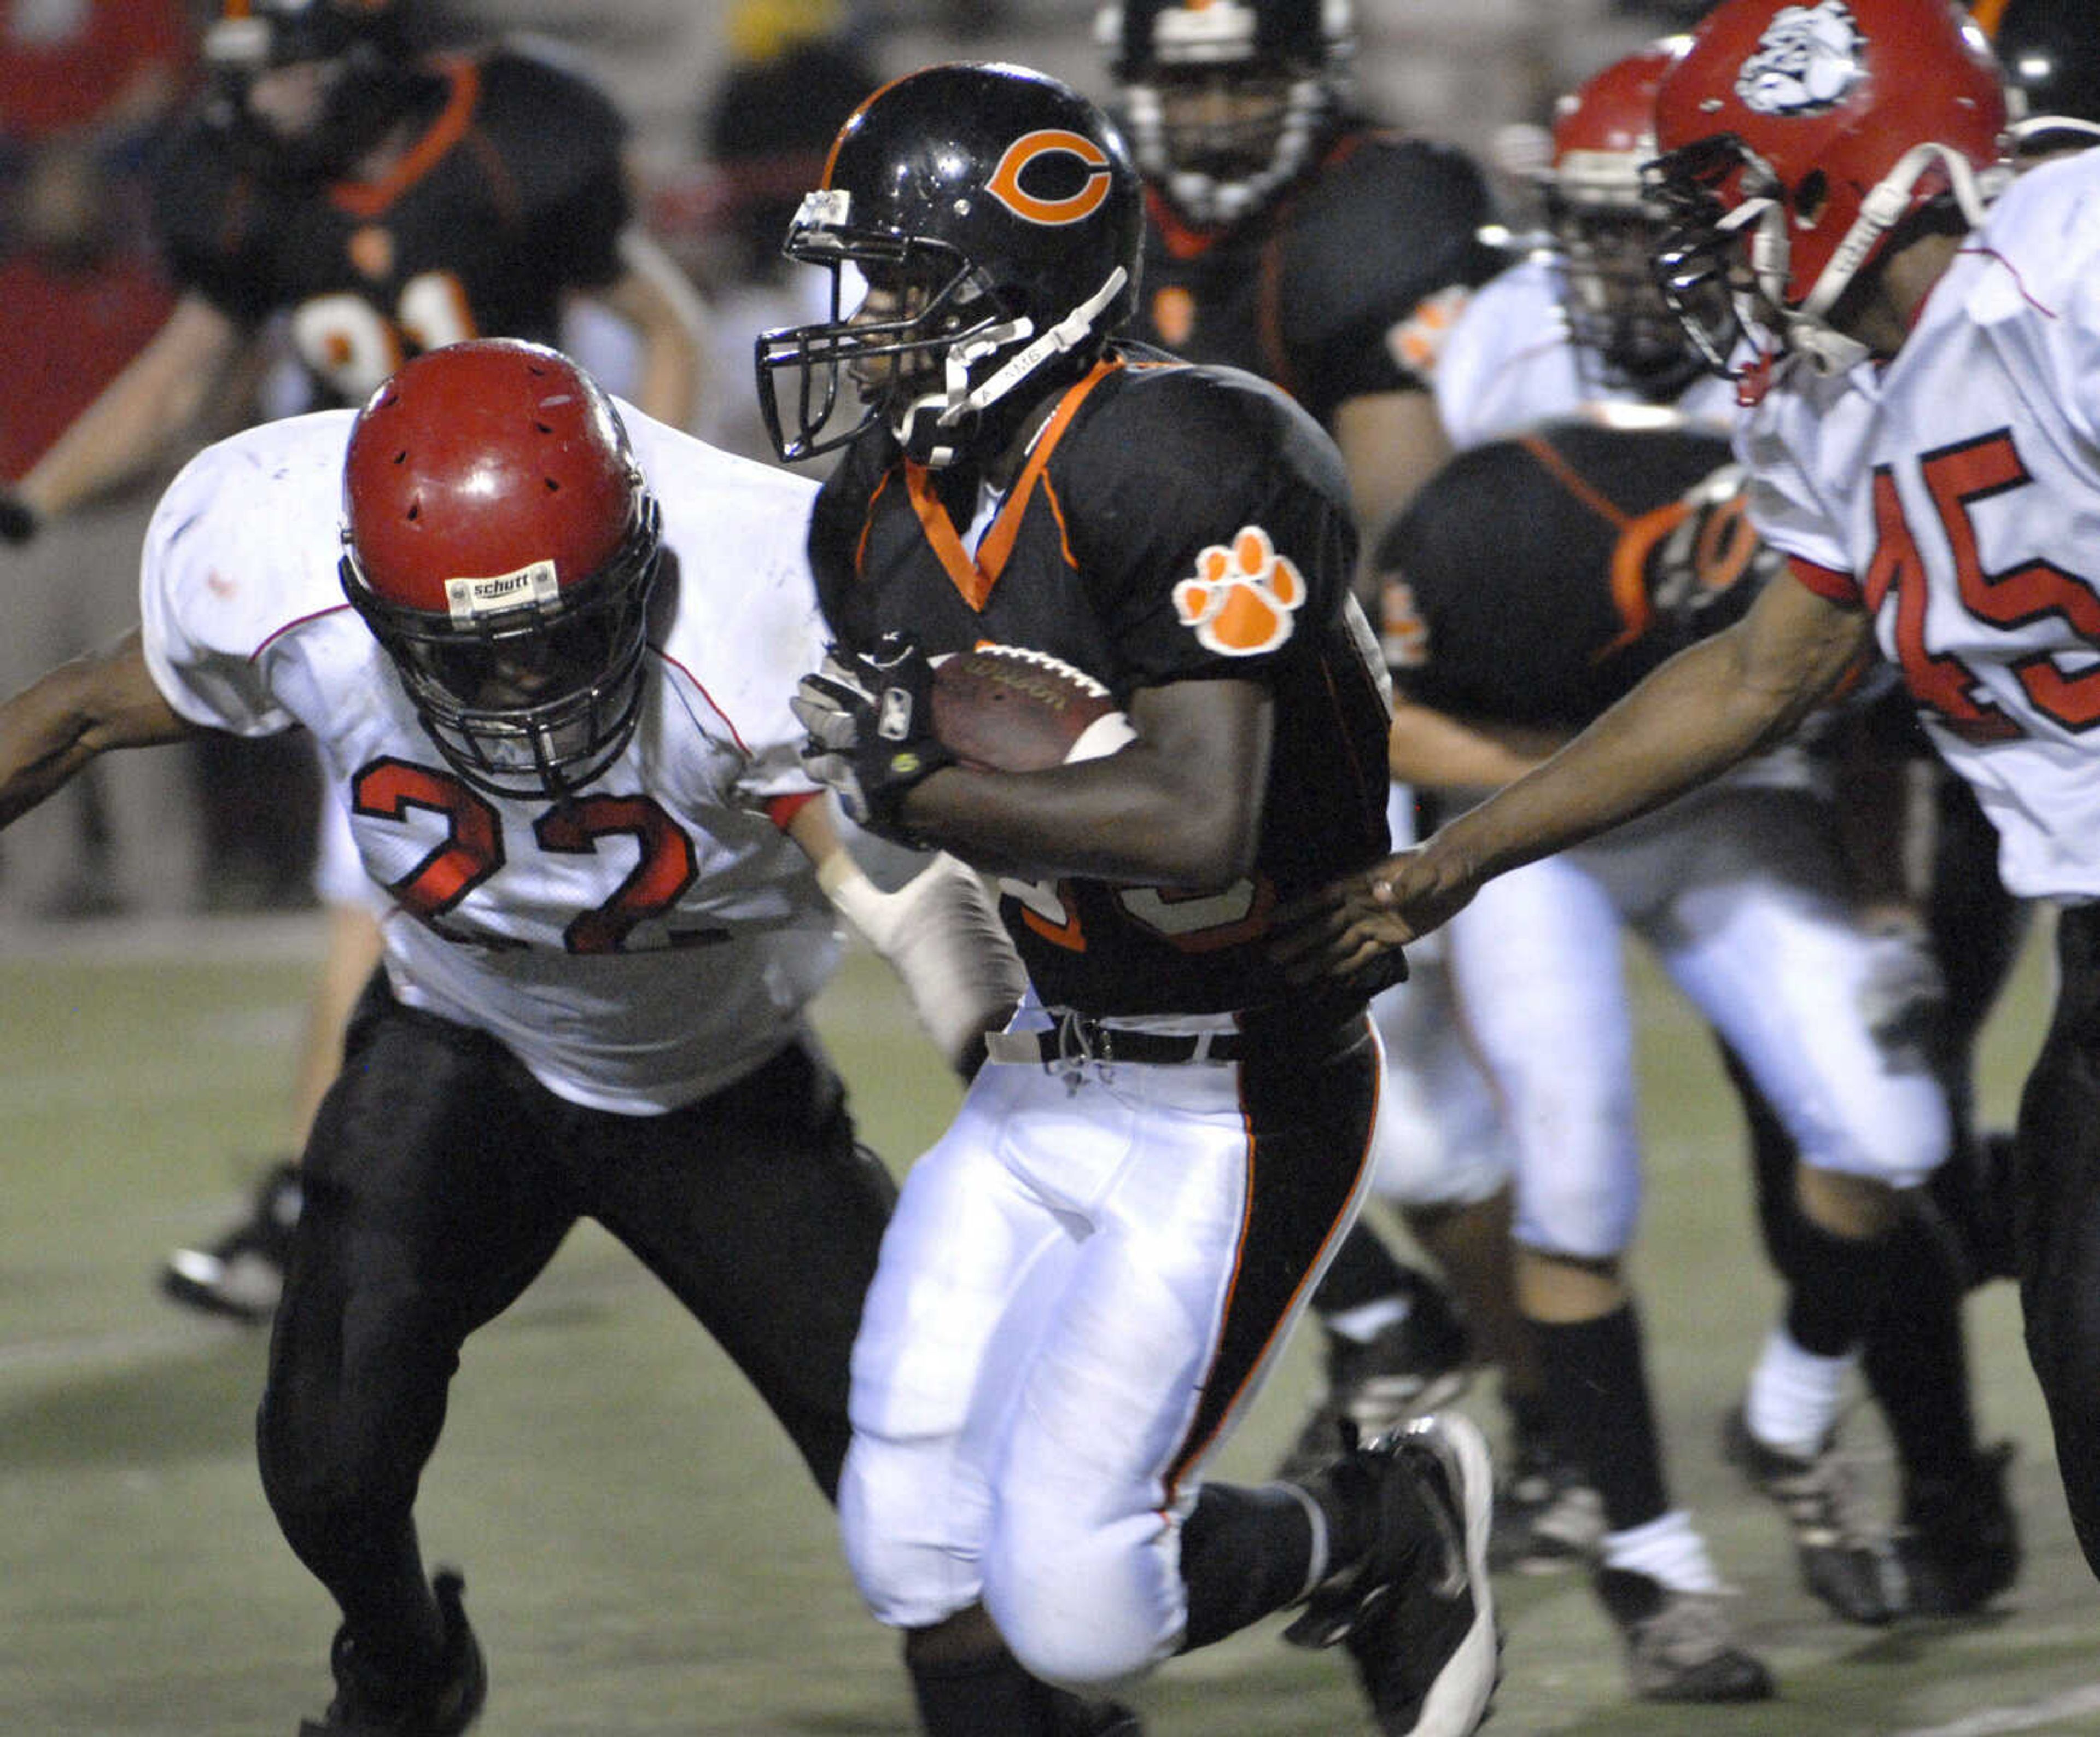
(357, 73)
(995, 217)
(1227, 102)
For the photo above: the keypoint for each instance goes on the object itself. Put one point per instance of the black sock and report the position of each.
(1915, 1359)
(990, 1696)
(1597, 1397)
(1363, 1271)
(1245, 1552)
(1838, 1283)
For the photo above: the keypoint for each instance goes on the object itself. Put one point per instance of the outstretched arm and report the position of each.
(159, 394)
(938, 932)
(669, 318)
(56, 725)
(1706, 709)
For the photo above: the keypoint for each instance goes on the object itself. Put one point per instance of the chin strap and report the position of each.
(959, 400)
(1808, 332)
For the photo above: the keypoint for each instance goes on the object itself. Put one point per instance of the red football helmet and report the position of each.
(1606, 225)
(499, 542)
(1814, 128)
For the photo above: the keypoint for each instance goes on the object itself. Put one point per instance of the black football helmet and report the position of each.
(2050, 51)
(1227, 101)
(500, 542)
(998, 213)
(364, 56)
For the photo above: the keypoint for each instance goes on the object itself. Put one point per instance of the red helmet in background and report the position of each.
(1808, 132)
(500, 542)
(1608, 225)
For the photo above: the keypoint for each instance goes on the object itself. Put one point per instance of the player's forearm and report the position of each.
(1180, 807)
(1691, 720)
(1435, 750)
(1083, 821)
(80, 710)
(138, 415)
(670, 318)
(937, 932)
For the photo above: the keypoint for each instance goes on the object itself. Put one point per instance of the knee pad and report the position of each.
(1587, 1216)
(909, 1574)
(1087, 1608)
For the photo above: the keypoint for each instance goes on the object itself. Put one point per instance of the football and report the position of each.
(1002, 708)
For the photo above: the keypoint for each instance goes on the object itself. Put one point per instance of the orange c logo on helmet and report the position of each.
(1032, 148)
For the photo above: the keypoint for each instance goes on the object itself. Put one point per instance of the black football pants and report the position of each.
(440, 1178)
(2057, 1219)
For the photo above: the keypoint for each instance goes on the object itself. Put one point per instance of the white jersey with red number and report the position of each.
(637, 946)
(1511, 361)
(1956, 493)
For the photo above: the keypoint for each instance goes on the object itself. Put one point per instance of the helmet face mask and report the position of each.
(1803, 137)
(1705, 273)
(500, 545)
(315, 81)
(1606, 225)
(1228, 101)
(995, 217)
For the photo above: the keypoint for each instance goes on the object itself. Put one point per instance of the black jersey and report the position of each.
(513, 194)
(1172, 523)
(1340, 288)
(1536, 579)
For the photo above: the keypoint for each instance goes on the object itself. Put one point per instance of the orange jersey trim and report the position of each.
(974, 578)
(368, 198)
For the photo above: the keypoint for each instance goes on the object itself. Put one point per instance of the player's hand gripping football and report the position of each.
(870, 717)
(1350, 932)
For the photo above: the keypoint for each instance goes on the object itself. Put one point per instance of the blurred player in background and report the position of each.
(1582, 328)
(794, 75)
(548, 663)
(84, 88)
(376, 200)
(1288, 235)
(1911, 328)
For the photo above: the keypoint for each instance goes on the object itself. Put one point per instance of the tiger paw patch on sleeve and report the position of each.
(1241, 597)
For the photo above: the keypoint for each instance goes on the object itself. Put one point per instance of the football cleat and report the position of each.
(369, 1702)
(1072, 1716)
(1417, 1365)
(1547, 1517)
(1416, 1612)
(1958, 1544)
(1679, 1645)
(242, 1274)
(1841, 1562)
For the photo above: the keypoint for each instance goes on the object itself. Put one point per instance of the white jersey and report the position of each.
(1955, 493)
(637, 946)
(1511, 361)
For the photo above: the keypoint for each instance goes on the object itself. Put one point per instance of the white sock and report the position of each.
(1367, 1320)
(1795, 1396)
(1667, 1550)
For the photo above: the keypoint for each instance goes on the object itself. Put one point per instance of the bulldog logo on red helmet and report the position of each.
(1806, 62)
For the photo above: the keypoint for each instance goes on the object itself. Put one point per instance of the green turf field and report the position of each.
(642, 1557)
